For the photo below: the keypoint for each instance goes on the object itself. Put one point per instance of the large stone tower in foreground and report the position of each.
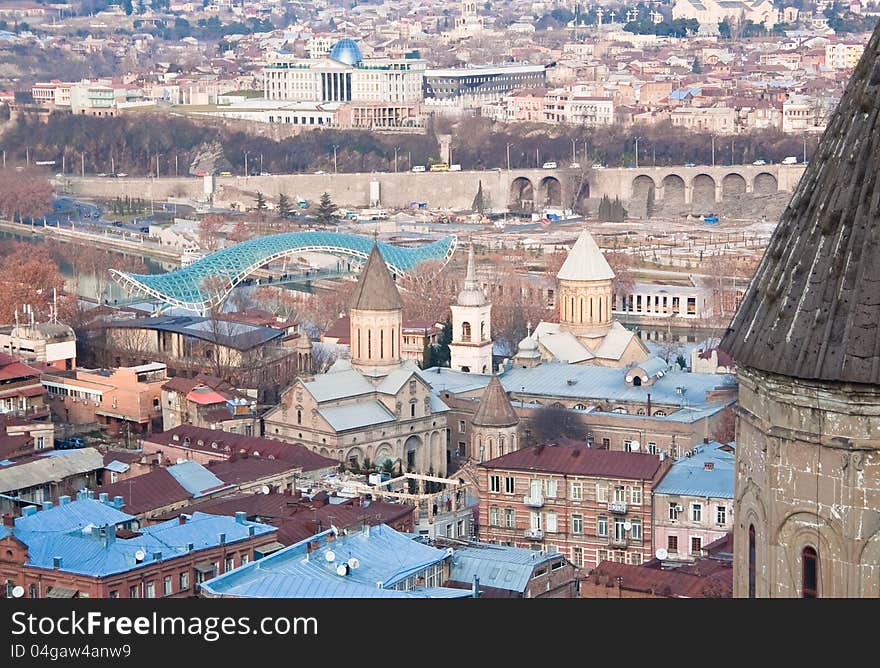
(806, 339)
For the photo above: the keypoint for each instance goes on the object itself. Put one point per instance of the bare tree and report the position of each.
(550, 424)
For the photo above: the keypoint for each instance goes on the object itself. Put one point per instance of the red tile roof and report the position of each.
(239, 444)
(579, 460)
(664, 583)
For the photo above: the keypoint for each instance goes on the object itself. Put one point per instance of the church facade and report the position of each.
(374, 407)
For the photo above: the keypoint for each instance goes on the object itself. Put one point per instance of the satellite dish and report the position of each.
(264, 489)
(634, 446)
(140, 555)
(17, 591)
(661, 553)
(330, 555)
(341, 570)
(627, 525)
(354, 563)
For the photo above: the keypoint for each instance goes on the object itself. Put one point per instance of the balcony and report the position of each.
(617, 507)
(534, 534)
(533, 501)
(620, 543)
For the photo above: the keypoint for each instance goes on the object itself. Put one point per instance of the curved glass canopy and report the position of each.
(206, 283)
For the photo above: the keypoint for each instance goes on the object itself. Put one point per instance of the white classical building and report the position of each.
(471, 346)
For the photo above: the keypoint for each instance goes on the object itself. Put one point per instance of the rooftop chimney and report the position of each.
(103, 497)
(221, 538)
(157, 556)
(8, 520)
(56, 562)
(27, 511)
(252, 530)
(48, 505)
(181, 519)
(63, 500)
(708, 466)
(705, 440)
(118, 502)
(189, 547)
(240, 517)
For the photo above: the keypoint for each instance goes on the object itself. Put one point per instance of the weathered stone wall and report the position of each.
(807, 474)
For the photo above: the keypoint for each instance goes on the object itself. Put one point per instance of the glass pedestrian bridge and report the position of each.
(205, 283)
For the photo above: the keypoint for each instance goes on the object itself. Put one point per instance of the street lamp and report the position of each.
(637, 152)
(158, 155)
(395, 157)
(573, 156)
(245, 163)
(508, 156)
(335, 170)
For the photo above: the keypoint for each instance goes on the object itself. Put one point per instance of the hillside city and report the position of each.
(358, 299)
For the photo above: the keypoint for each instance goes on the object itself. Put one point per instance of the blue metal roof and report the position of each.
(500, 567)
(355, 416)
(386, 557)
(195, 478)
(72, 535)
(346, 51)
(688, 475)
(205, 283)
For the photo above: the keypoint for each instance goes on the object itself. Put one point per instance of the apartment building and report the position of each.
(693, 504)
(844, 55)
(720, 120)
(590, 504)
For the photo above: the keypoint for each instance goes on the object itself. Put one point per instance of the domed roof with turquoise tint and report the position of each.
(346, 51)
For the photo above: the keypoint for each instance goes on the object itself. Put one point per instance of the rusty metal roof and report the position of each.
(812, 311)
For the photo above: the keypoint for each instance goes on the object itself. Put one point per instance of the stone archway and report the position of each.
(703, 193)
(412, 453)
(732, 185)
(522, 195)
(551, 192)
(384, 453)
(765, 184)
(643, 194)
(673, 190)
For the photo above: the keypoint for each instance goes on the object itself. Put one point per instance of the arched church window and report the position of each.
(809, 573)
(465, 331)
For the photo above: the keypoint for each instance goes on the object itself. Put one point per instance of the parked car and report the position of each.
(759, 163)
(689, 164)
(418, 168)
(598, 166)
(548, 165)
(69, 443)
(575, 165)
(790, 160)
(454, 168)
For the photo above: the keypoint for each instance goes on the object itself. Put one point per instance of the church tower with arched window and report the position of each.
(471, 346)
(584, 290)
(806, 340)
(376, 317)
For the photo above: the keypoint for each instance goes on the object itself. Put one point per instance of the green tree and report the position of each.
(326, 214)
(697, 68)
(724, 29)
(283, 205)
(261, 202)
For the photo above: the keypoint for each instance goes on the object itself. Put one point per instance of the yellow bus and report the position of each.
(440, 167)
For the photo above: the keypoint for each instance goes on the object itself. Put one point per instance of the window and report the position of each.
(113, 594)
(673, 511)
(245, 559)
(809, 573)
(133, 592)
(577, 556)
(721, 515)
(461, 426)
(508, 485)
(652, 448)
(752, 555)
(184, 581)
(230, 564)
(601, 555)
(552, 486)
(635, 558)
(635, 495)
(696, 544)
(672, 544)
(494, 483)
(601, 493)
(551, 522)
(620, 494)
(577, 523)
(696, 512)
(577, 491)
(167, 588)
(509, 518)
(449, 528)
(151, 590)
(627, 445)
(619, 528)
(636, 530)
(602, 526)
(493, 516)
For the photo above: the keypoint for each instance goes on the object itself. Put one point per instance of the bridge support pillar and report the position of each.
(719, 192)
(688, 193)
(658, 193)
(750, 185)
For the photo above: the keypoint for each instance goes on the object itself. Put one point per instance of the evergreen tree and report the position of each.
(649, 204)
(697, 68)
(261, 202)
(326, 210)
(283, 206)
(479, 204)
(126, 5)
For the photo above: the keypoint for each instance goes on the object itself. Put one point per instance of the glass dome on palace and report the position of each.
(346, 51)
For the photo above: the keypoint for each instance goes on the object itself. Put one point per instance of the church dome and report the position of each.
(346, 51)
(527, 345)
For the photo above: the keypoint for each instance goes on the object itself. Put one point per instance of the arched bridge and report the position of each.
(206, 283)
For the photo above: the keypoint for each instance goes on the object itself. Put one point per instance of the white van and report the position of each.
(790, 160)
(419, 168)
(454, 168)
(549, 165)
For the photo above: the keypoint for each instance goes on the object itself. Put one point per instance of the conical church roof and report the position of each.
(585, 262)
(471, 294)
(376, 290)
(812, 311)
(495, 409)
